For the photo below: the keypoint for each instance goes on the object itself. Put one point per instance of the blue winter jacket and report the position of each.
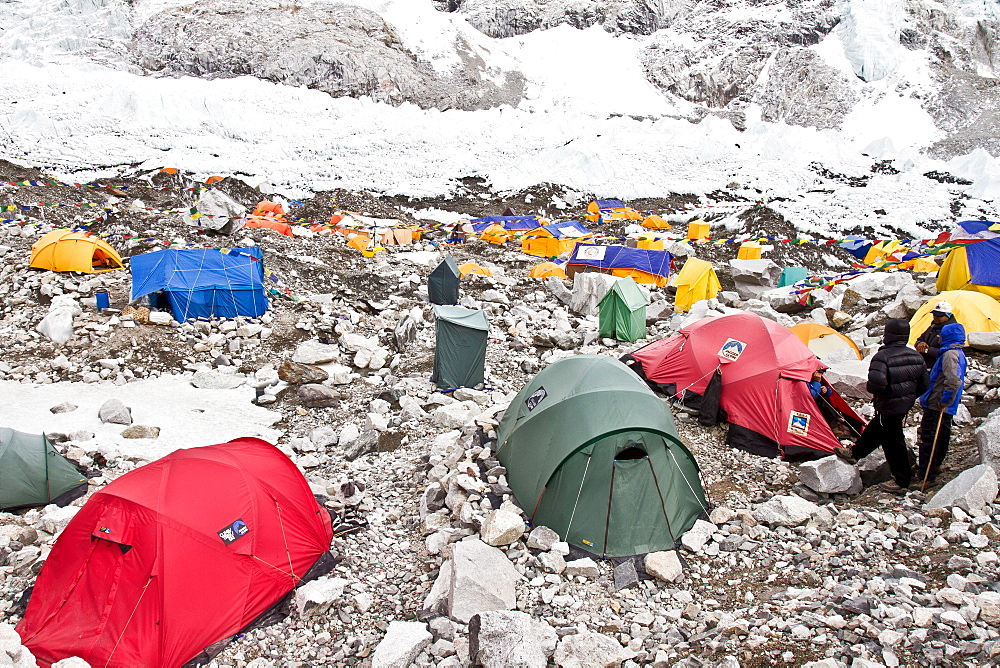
(948, 374)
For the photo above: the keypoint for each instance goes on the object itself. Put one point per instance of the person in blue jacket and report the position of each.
(940, 402)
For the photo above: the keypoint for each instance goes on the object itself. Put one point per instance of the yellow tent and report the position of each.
(547, 269)
(473, 268)
(656, 223)
(65, 250)
(923, 265)
(496, 234)
(611, 209)
(974, 310)
(695, 282)
(822, 339)
(954, 275)
(543, 243)
(649, 243)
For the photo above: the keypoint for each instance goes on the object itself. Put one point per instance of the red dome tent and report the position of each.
(174, 556)
(761, 370)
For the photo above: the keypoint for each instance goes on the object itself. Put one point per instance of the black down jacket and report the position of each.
(897, 375)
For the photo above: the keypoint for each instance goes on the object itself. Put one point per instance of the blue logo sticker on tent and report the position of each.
(798, 423)
(234, 531)
(732, 349)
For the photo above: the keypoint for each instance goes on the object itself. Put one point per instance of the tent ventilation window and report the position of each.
(631, 453)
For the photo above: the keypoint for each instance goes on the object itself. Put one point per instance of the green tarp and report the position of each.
(623, 311)
(460, 351)
(593, 454)
(442, 284)
(32, 473)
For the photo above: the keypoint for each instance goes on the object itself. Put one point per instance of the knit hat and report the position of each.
(897, 326)
(942, 308)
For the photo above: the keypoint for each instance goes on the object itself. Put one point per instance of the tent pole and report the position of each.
(45, 457)
(607, 519)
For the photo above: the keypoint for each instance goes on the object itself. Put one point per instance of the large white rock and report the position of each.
(55, 518)
(207, 379)
(849, 377)
(456, 415)
(695, 538)
(316, 597)
(217, 211)
(588, 289)
(664, 566)
(501, 527)
(986, 341)
(482, 579)
(590, 650)
(785, 511)
(71, 662)
(585, 567)
(988, 440)
(57, 324)
(501, 639)
(314, 352)
(402, 644)
(879, 285)
(352, 342)
(971, 490)
(830, 475)
(756, 272)
(12, 653)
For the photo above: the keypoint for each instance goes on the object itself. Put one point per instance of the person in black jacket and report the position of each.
(896, 377)
(928, 344)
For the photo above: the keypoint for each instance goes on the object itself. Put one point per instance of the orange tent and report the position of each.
(822, 339)
(65, 250)
(271, 216)
(473, 268)
(496, 234)
(547, 269)
(656, 223)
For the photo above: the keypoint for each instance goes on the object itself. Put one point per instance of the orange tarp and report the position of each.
(271, 216)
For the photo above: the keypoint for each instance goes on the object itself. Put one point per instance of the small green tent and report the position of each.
(791, 275)
(623, 311)
(442, 284)
(593, 454)
(32, 473)
(460, 351)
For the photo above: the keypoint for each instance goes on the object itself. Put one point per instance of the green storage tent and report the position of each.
(442, 284)
(32, 473)
(460, 351)
(593, 454)
(623, 311)
(791, 275)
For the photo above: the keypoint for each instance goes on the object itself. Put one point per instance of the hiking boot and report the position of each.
(845, 454)
(893, 487)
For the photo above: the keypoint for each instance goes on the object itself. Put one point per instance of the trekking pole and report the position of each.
(927, 472)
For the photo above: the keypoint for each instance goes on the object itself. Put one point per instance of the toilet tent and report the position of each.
(32, 473)
(623, 311)
(593, 454)
(175, 556)
(203, 282)
(442, 284)
(460, 350)
(66, 250)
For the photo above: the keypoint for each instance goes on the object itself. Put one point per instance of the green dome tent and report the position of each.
(623, 311)
(592, 454)
(32, 473)
(460, 348)
(442, 283)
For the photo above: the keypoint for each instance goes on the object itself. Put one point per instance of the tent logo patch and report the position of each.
(589, 252)
(234, 532)
(732, 349)
(798, 423)
(536, 398)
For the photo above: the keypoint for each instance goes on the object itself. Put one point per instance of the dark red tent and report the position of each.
(174, 556)
(764, 370)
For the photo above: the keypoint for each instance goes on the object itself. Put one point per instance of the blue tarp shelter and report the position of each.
(609, 204)
(644, 265)
(203, 282)
(506, 222)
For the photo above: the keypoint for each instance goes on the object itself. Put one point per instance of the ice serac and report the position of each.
(870, 34)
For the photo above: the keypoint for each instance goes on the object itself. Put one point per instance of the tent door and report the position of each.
(633, 478)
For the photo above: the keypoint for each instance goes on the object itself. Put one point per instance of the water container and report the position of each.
(103, 300)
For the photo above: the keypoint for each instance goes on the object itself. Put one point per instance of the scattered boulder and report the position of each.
(830, 475)
(64, 407)
(590, 649)
(542, 538)
(988, 440)
(402, 644)
(57, 324)
(298, 373)
(986, 341)
(970, 490)
(140, 431)
(318, 396)
(501, 527)
(115, 412)
(207, 379)
(315, 597)
(482, 579)
(785, 511)
(314, 352)
(665, 566)
(585, 567)
(500, 639)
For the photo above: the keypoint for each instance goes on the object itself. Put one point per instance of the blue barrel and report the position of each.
(103, 300)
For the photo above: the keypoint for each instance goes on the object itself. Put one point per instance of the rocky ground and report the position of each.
(786, 569)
